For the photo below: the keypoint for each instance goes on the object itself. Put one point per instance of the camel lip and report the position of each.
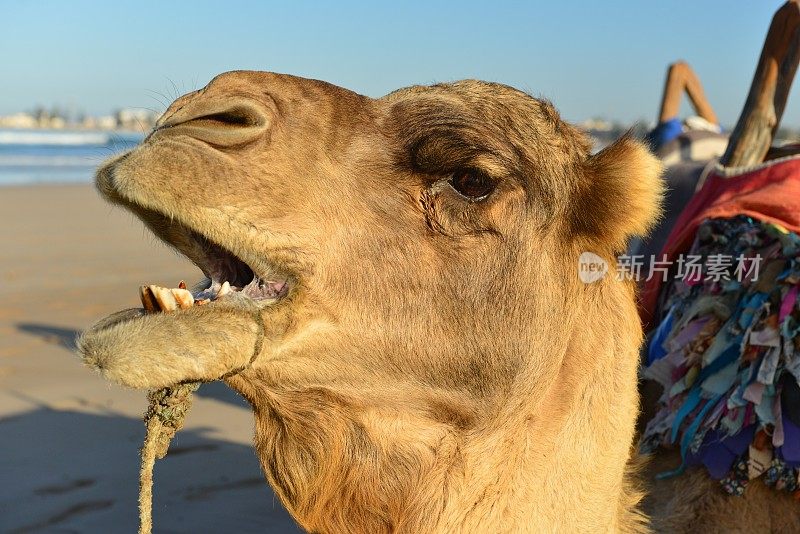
(116, 318)
(132, 315)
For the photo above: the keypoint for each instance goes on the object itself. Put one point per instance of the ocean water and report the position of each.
(57, 156)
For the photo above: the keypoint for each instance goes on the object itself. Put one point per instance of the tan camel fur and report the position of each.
(426, 358)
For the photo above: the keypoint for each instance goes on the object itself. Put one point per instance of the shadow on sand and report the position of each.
(64, 337)
(71, 471)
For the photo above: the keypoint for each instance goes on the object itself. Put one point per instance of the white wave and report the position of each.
(63, 176)
(50, 137)
(50, 161)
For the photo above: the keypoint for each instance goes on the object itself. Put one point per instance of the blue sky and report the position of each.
(591, 58)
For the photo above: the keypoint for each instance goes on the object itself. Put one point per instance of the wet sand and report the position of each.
(69, 440)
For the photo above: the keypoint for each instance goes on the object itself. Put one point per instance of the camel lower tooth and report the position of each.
(184, 297)
(156, 298)
(165, 298)
(148, 299)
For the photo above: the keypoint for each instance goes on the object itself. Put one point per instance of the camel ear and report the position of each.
(621, 193)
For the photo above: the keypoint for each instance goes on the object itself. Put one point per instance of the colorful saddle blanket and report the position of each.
(726, 346)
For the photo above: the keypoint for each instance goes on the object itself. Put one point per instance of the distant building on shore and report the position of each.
(136, 119)
(130, 119)
(19, 120)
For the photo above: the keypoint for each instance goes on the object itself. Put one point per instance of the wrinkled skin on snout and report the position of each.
(422, 355)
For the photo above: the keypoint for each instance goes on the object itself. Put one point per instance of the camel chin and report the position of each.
(406, 315)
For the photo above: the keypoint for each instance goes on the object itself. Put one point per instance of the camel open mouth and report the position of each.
(225, 273)
(217, 325)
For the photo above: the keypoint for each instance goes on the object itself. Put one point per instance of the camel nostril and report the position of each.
(222, 123)
(233, 117)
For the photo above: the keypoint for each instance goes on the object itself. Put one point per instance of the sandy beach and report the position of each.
(70, 440)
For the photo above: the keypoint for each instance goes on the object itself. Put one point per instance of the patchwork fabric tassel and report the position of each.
(727, 353)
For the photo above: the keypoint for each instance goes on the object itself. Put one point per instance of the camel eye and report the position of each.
(472, 184)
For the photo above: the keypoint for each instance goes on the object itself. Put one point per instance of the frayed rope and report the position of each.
(164, 417)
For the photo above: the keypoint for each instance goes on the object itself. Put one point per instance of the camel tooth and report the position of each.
(165, 299)
(184, 297)
(224, 290)
(148, 300)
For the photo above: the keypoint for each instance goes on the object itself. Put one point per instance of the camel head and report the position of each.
(407, 320)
